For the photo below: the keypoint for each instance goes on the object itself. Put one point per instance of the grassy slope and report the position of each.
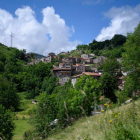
(22, 118)
(94, 127)
(21, 127)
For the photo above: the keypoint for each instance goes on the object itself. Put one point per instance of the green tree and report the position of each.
(131, 56)
(2, 57)
(118, 40)
(8, 96)
(44, 114)
(1, 67)
(49, 84)
(6, 124)
(112, 66)
(108, 85)
(91, 88)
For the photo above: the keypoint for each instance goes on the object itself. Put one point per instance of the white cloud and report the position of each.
(52, 35)
(123, 20)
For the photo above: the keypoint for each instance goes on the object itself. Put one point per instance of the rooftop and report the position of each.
(61, 69)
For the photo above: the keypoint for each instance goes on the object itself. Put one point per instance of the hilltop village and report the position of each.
(68, 67)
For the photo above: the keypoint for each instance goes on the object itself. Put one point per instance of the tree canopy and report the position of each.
(131, 56)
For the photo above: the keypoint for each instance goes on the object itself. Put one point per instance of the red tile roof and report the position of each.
(80, 64)
(75, 66)
(77, 75)
(61, 63)
(61, 69)
(87, 73)
(93, 74)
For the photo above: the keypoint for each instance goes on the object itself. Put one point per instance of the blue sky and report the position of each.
(45, 26)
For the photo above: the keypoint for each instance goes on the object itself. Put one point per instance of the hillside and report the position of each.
(7, 51)
(120, 123)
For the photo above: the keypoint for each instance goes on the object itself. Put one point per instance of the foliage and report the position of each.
(118, 40)
(124, 125)
(121, 96)
(115, 52)
(65, 104)
(111, 66)
(129, 86)
(8, 96)
(45, 113)
(108, 85)
(1, 67)
(131, 56)
(48, 84)
(6, 124)
(96, 46)
(2, 57)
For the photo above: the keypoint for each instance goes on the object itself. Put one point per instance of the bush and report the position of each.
(6, 124)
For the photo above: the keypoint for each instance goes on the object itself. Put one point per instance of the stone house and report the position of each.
(99, 59)
(78, 68)
(77, 59)
(63, 78)
(49, 58)
(86, 60)
(51, 54)
(84, 56)
(65, 65)
(43, 59)
(95, 75)
(61, 71)
(87, 68)
(91, 55)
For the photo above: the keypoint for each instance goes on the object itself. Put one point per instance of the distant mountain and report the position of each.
(39, 56)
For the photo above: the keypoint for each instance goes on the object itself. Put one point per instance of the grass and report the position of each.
(21, 127)
(21, 117)
(120, 123)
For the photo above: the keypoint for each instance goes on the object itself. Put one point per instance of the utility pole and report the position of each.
(11, 38)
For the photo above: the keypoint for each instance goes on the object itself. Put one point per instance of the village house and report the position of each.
(84, 56)
(51, 54)
(63, 74)
(69, 59)
(78, 68)
(99, 59)
(43, 59)
(87, 68)
(88, 55)
(35, 61)
(60, 71)
(77, 59)
(63, 78)
(65, 65)
(91, 55)
(95, 75)
(86, 60)
(49, 58)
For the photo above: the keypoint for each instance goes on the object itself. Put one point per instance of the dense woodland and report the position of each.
(65, 103)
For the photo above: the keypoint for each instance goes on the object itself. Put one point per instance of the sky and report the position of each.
(44, 26)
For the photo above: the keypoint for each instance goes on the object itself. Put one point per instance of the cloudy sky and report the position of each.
(44, 26)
